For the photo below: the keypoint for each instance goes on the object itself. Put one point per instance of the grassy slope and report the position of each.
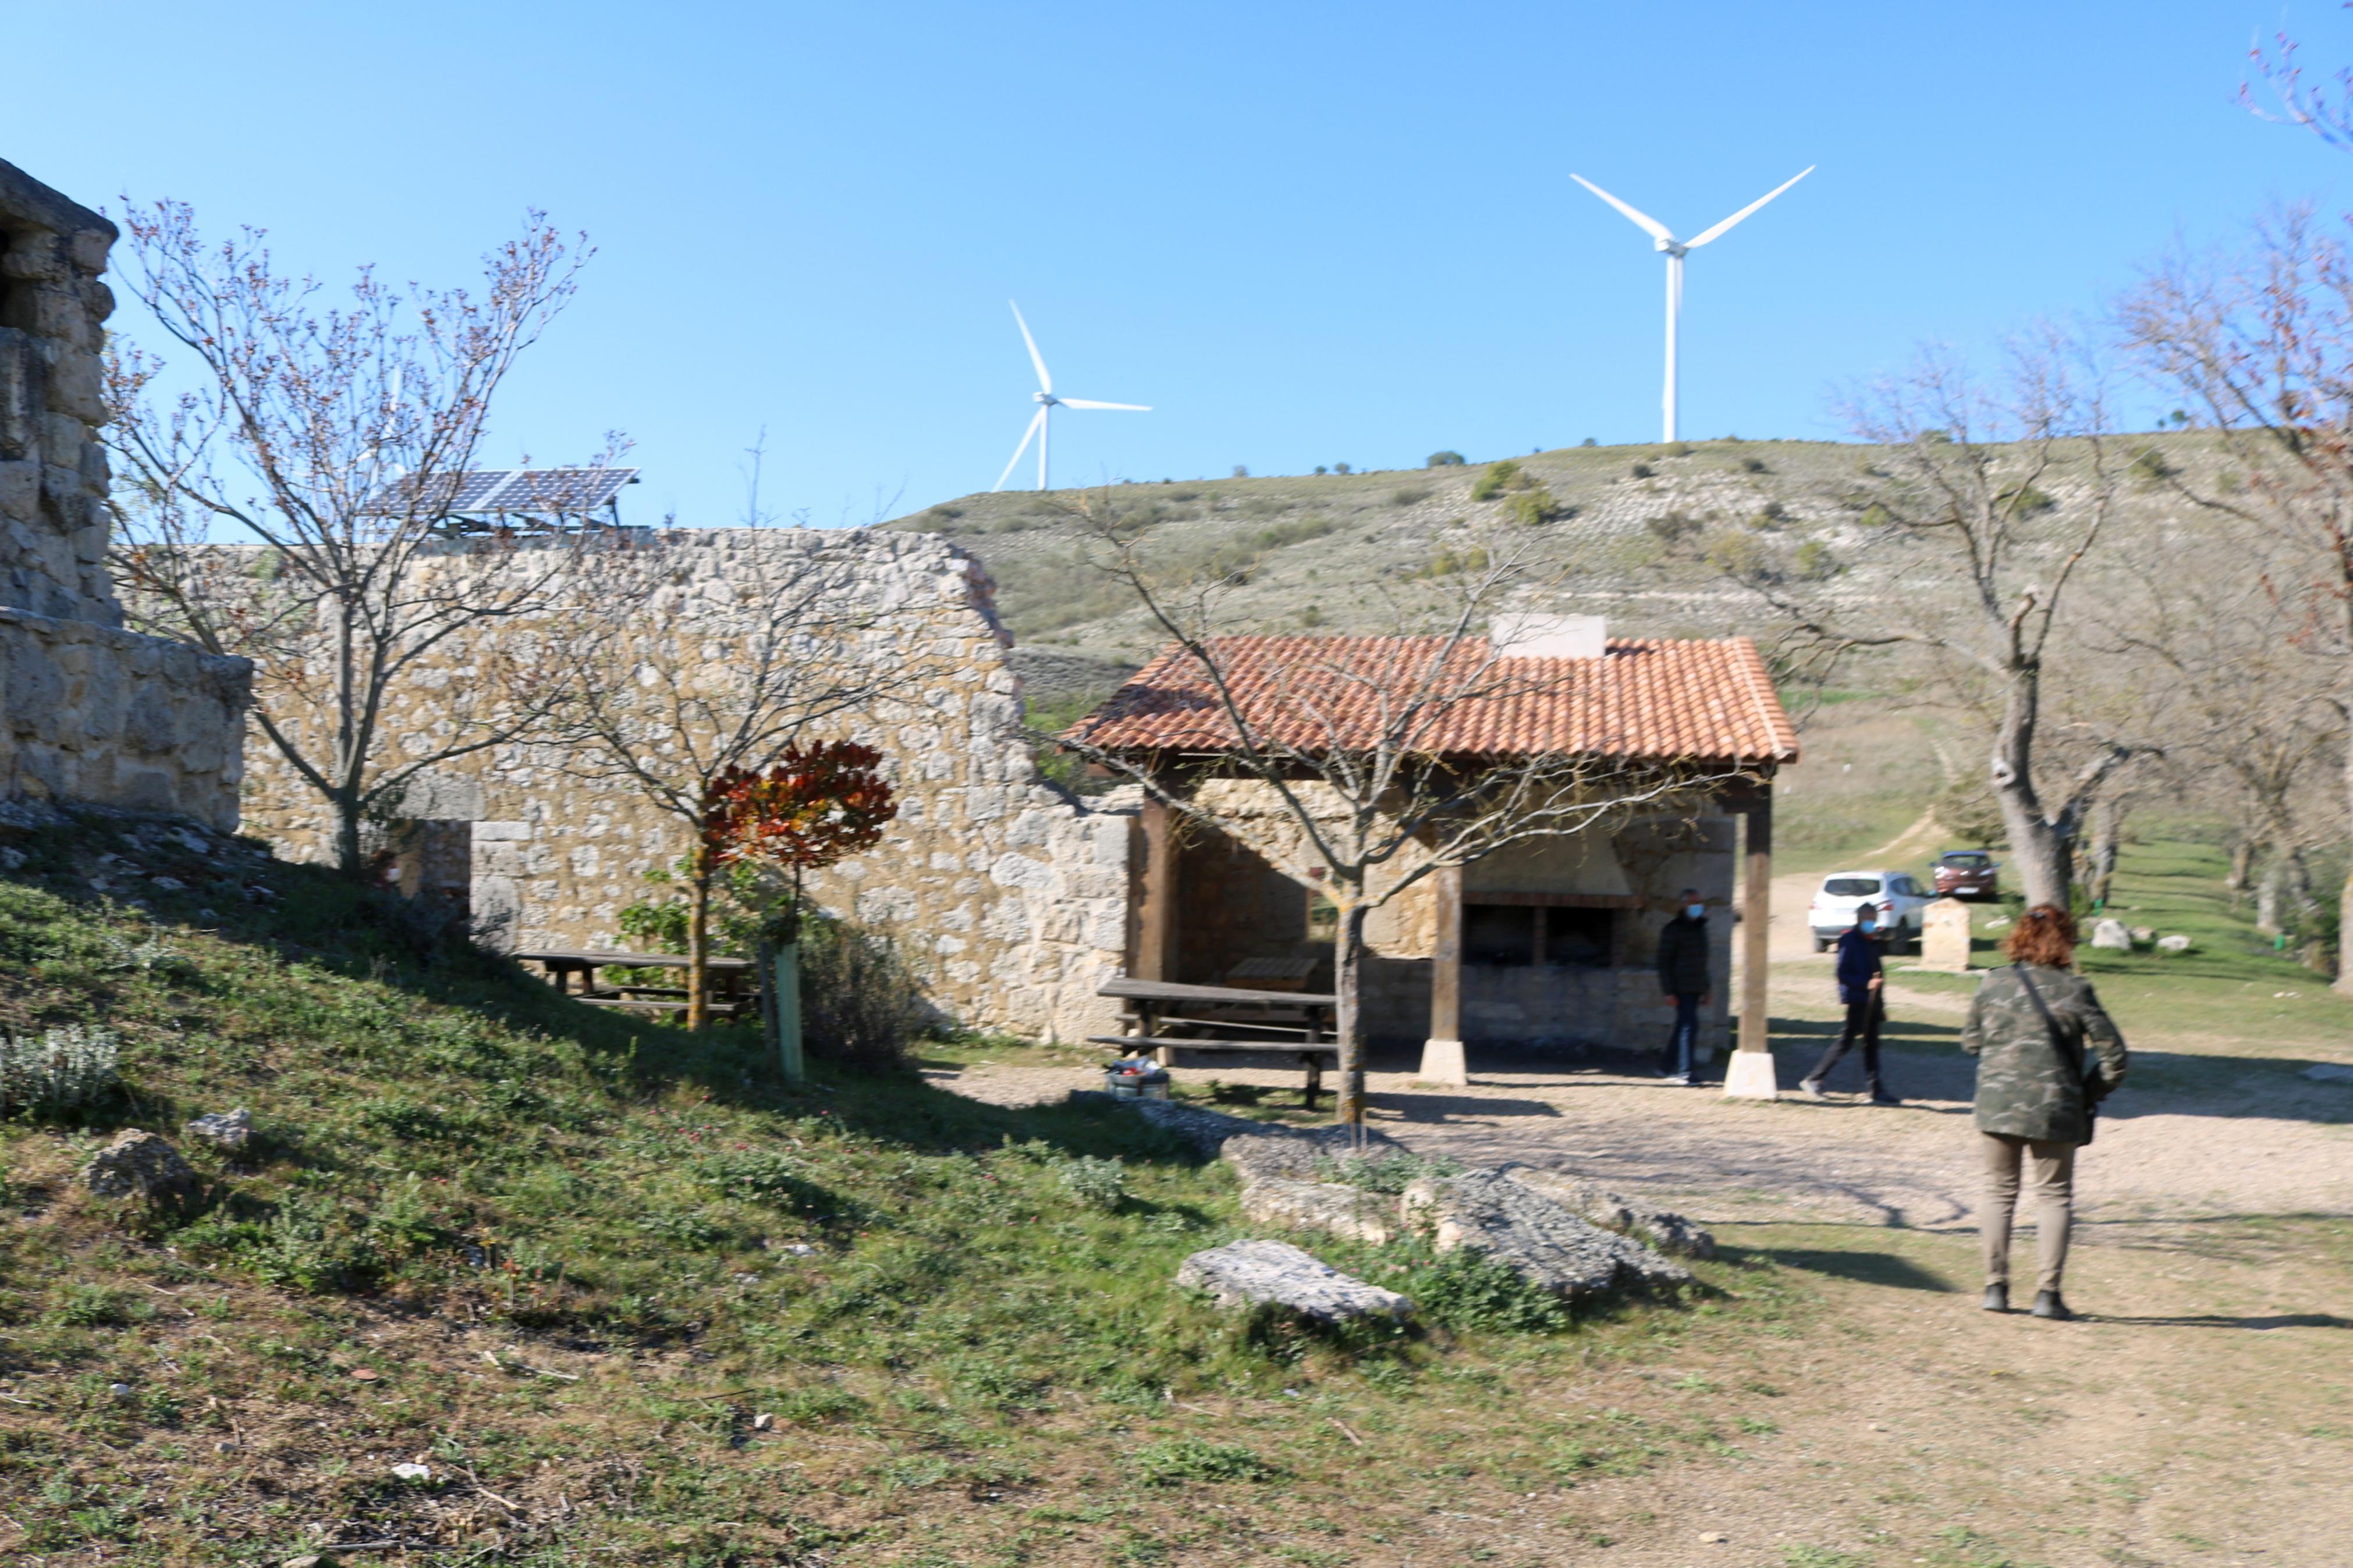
(566, 1261)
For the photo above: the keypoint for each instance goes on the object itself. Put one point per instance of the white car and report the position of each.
(1898, 899)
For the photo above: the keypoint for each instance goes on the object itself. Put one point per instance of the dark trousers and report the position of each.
(1682, 1045)
(1862, 1018)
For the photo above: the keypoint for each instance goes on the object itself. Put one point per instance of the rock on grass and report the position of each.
(1327, 1206)
(1536, 1236)
(1246, 1273)
(1669, 1232)
(144, 1165)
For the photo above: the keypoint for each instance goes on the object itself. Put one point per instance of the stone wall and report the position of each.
(93, 712)
(1011, 896)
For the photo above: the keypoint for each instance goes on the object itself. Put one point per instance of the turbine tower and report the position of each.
(1040, 424)
(1674, 250)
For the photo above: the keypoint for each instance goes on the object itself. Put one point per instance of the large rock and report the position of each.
(1246, 1273)
(1300, 1153)
(1332, 1207)
(1945, 937)
(1667, 1231)
(2175, 943)
(2112, 936)
(1535, 1236)
(144, 1165)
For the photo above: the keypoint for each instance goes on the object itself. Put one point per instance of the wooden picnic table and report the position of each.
(1293, 1022)
(725, 976)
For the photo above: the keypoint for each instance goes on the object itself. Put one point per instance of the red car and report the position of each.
(1967, 874)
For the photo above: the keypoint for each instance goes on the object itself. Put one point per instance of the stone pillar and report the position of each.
(1945, 937)
(1442, 1059)
(1156, 942)
(1749, 1073)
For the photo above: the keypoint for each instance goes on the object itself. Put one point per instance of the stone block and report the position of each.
(20, 489)
(1534, 1236)
(2112, 936)
(1332, 1207)
(1945, 937)
(1669, 1232)
(1276, 1273)
(140, 1164)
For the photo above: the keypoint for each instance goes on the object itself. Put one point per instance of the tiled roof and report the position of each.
(1687, 700)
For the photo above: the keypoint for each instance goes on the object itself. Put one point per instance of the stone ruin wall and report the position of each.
(93, 712)
(1011, 898)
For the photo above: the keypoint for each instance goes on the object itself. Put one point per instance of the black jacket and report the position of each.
(1683, 957)
(1858, 965)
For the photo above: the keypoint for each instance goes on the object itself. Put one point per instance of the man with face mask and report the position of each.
(1684, 981)
(1859, 980)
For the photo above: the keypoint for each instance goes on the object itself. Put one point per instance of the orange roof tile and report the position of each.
(1686, 701)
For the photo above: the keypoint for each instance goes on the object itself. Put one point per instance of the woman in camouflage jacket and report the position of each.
(2047, 1056)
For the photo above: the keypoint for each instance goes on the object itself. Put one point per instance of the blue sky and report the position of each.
(1306, 234)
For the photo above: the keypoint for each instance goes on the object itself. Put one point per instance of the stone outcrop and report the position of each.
(1302, 1153)
(93, 712)
(1248, 1273)
(1332, 1207)
(140, 1164)
(1536, 1237)
(2112, 936)
(1662, 1229)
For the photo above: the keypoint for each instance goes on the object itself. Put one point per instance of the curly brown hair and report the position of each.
(2044, 934)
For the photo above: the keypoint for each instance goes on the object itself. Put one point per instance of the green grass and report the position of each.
(569, 1262)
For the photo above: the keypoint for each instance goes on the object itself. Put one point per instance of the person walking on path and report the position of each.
(2047, 1054)
(1684, 981)
(1862, 990)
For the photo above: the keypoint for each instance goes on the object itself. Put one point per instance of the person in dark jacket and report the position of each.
(2047, 1054)
(1684, 981)
(1861, 989)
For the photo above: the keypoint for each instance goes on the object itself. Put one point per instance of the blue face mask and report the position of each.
(1697, 912)
(1867, 927)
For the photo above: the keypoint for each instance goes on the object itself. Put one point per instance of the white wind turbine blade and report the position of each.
(1706, 234)
(1045, 382)
(1090, 402)
(1038, 419)
(1642, 220)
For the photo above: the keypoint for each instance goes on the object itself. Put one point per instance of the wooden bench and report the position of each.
(1247, 1020)
(724, 977)
(1311, 1057)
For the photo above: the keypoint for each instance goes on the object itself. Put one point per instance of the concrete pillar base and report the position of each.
(1442, 1062)
(1748, 1075)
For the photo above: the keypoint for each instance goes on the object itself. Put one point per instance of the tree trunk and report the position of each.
(2037, 847)
(2242, 867)
(698, 943)
(1347, 969)
(2267, 896)
(351, 857)
(2107, 829)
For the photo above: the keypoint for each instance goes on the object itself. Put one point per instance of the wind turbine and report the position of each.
(1040, 424)
(1675, 251)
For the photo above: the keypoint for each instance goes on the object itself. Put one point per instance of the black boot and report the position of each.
(2047, 1304)
(1997, 1298)
(1878, 1096)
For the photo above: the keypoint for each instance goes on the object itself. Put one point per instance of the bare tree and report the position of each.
(331, 438)
(701, 655)
(2262, 346)
(1352, 764)
(1978, 508)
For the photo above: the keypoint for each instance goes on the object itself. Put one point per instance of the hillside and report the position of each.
(1310, 545)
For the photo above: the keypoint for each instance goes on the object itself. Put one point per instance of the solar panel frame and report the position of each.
(485, 492)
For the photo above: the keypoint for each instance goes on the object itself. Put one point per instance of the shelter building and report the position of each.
(1549, 942)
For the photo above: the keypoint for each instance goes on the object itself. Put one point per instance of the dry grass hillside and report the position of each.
(1625, 532)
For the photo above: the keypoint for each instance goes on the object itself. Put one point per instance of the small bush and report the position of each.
(2150, 466)
(1175, 1460)
(1588, 441)
(1876, 516)
(65, 1069)
(1680, 449)
(758, 1176)
(1450, 562)
(1097, 1184)
(1673, 525)
(1536, 506)
(1753, 466)
(861, 1002)
(1815, 561)
(1407, 498)
(1468, 1291)
(1443, 460)
(2026, 501)
(1492, 483)
(1642, 471)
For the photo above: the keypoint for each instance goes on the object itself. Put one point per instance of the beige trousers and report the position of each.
(2051, 1169)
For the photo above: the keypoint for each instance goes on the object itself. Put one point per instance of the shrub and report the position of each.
(1753, 466)
(1407, 498)
(1443, 460)
(1391, 1175)
(1097, 1184)
(1340, 468)
(1969, 812)
(759, 1175)
(1469, 1291)
(1876, 516)
(1492, 483)
(1535, 506)
(1450, 562)
(2027, 499)
(1642, 470)
(1588, 441)
(1175, 1460)
(1672, 525)
(1241, 471)
(65, 1069)
(1680, 449)
(1815, 561)
(2150, 466)
(861, 1000)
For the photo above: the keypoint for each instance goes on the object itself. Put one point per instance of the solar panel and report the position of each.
(537, 491)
